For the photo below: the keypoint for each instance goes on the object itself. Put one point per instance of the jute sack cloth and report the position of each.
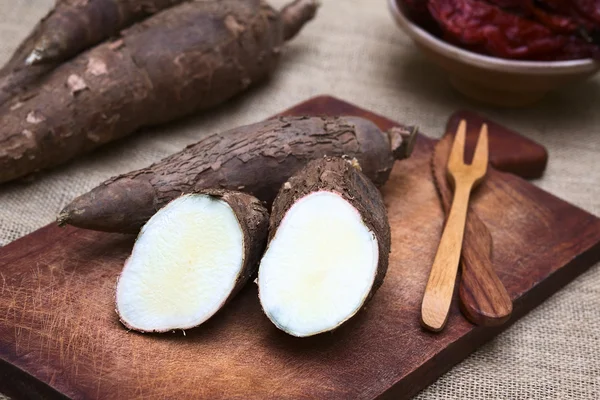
(354, 51)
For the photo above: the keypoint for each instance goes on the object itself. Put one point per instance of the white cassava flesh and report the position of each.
(320, 265)
(183, 267)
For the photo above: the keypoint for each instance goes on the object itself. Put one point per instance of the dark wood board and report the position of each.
(59, 334)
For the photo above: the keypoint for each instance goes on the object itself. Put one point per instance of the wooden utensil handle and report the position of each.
(483, 298)
(442, 278)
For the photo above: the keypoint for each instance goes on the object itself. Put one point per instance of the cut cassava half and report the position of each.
(329, 244)
(191, 257)
(256, 158)
(184, 59)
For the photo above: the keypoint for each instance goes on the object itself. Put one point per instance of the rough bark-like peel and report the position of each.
(257, 159)
(71, 27)
(184, 59)
(254, 221)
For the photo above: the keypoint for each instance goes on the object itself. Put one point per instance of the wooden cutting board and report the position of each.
(60, 336)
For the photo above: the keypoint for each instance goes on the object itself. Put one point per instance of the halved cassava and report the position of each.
(187, 58)
(256, 159)
(191, 257)
(328, 251)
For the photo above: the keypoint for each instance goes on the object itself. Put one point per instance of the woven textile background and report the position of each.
(354, 51)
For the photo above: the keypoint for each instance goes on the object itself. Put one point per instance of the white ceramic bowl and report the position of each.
(495, 80)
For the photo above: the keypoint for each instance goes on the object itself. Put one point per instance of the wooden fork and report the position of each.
(463, 177)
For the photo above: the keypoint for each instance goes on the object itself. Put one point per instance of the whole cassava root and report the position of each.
(328, 250)
(69, 28)
(257, 159)
(190, 259)
(184, 59)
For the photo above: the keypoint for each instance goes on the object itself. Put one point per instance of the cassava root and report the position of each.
(190, 259)
(257, 159)
(71, 27)
(328, 250)
(187, 58)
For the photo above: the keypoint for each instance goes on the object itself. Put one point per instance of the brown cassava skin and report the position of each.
(69, 28)
(256, 158)
(337, 175)
(254, 221)
(253, 218)
(18, 80)
(188, 58)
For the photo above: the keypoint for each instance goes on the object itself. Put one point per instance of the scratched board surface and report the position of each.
(60, 336)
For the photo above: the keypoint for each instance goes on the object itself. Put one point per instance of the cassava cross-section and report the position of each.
(184, 59)
(191, 258)
(329, 244)
(256, 158)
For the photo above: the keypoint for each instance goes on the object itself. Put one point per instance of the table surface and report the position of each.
(354, 51)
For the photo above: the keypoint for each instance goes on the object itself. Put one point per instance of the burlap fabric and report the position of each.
(354, 51)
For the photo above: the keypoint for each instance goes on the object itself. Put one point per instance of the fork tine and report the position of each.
(480, 158)
(457, 154)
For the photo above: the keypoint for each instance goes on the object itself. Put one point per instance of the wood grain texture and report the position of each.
(464, 178)
(483, 297)
(57, 319)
